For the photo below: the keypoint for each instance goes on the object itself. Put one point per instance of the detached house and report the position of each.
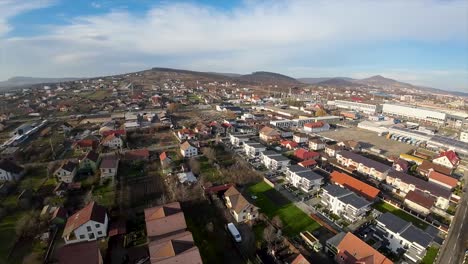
(90, 162)
(253, 148)
(88, 224)
(10, 171)
(240, 208)
(187, 150)
(447, 159)
(165, 160)
(113, 141)
(316, 127)
(344, 202)
(303, 178)
(269, 134)
(274, 161)
(289, 144)
(303, 154)
(85, 145)
(350, 145)
(108, 168)
(426, 167)
(67, 172)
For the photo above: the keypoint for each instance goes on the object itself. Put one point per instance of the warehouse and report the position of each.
(415, 113)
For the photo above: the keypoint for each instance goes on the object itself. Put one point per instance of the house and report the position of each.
(427, 166)
(269, 134)
(10, 171)
(186, 177)
(361, 188)
(274, 161)
(331, 150)
(400, 165)
(350, 145)
(403, 236)
(362, 164)
(177, 248)
(442, 180)
(303, 178)
(137, 155)
(187, 150)
(344, 202)
(300, 138)
(253, 148)
(78, 253)
(303, 154)
(289, 144)
(316, 127)
(166, 161)
(85, 145)
(118, 132)
(308, 163)
(238, 140)
(402, 183)
(185, 134)
(90, 161)
(316, 144)
(420, 202)
(88, 224)
(348, 248)
(240, 208)
(447, 159)
(113, 141)
(67, 172)
(108, 168)
(164, 220)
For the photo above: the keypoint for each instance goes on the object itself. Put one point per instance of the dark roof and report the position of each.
(77, 253)
(10, 166)
(109, 163)
(421, 198)
(310, 175)
(270, 153)
(427, 165)
(417, 235)
(69, 166)
(278, 158)
(434, 189)
(393, 222)
(297, 168)
(354, 200)
(336, 191)
(367, 162)
(93, 156)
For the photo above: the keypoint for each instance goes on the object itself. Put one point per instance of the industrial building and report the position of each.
(360, 107)
(415, 113)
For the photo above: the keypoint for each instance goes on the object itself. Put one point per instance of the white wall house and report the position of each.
(9, 171)
(113, 142)
(88, 224)
(275, 162)
(253, 148)
(187, 150)
(344, 202)
(109, 167)
(238, 140)
(67, 172)
(240, 208)
(316, 144)
(303, 178)
(300, 138)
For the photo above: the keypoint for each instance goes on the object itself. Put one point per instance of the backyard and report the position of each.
(272, 203)
(385, 207)
(430, 255)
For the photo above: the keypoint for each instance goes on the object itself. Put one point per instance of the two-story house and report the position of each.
(303, 178)
(363, 165)
(113, 141)
(109, 167)
(344, 202)
(274, 161)
(447, 159)
(238, 140)
(240, 208)
(316, 144)
(403, 236)
(10, 171)
(253, 148)
(269, 134)
(67, 172)
(188, 150)
(90, 162)
(88, 224)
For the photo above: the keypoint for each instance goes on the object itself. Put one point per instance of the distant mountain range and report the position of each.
(259, 78)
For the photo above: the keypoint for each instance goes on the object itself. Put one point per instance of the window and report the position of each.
(99, 233)
(91, 235)
(81, 236)
(98, 225)
(88, 228)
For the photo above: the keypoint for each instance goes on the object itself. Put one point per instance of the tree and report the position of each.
(269, 234)
(194, 165)
(210, 153)
(173, 107)
(276, 221)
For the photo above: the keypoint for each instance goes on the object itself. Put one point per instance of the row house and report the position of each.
(363, 165)
(300, 138)
(303, 154)
(109, 167)
(253, 148)
(344, 202)
(331, 150)
(303, 178)
(238, 140)
(240, 208)
(403, 236)
(445, 181)
(403, 183)
(419, 202)
(361, 188)
(426, 167)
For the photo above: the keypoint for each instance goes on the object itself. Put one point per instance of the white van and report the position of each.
(234, 232)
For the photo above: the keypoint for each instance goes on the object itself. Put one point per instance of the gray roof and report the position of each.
(279, 158)
(380, 167)
(253, 143)
(432, 188)
(270, 153)
(417, 235)
(336, 239)
(393, 222)
(355, 200)
(297, 168)
(336, 191)
(310, 175)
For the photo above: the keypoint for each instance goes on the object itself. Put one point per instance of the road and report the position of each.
(453, 250)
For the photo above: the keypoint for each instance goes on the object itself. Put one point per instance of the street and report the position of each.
(453, 250)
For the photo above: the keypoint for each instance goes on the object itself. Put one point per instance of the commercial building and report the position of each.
(361, 107)
(415, 113)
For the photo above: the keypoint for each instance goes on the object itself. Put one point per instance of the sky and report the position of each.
(424, 42)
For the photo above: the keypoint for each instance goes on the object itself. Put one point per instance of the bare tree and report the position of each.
(210, 153)
(194, 165)
(269, 234)
(276, 221)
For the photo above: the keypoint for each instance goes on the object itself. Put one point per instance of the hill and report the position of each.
(380, 81)
(321, 79)
(21, 81)
(263, 77)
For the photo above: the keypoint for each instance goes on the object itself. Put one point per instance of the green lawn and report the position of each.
(105, 194)
(430, 255)
(294, 219)
(34, 178)
(385, 207)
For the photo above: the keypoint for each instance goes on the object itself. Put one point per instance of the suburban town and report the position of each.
(175, 166)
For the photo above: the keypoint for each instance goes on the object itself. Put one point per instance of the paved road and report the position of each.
(453, 250)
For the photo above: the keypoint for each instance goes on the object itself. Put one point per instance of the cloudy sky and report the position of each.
(419, 41)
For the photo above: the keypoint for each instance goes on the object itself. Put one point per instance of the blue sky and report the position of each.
(420, 41)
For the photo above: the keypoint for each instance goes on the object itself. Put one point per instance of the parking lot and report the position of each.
(389, 147)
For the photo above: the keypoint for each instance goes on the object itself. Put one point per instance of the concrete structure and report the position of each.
(344, 202)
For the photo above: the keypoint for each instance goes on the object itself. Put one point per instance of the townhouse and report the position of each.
(240, 208)
(420, 202)
(238, 140)
(403, 236)
(442, 180)
(331, 150)
(274, 161)
(300, 138)
(253, 148)
(344, 202)
(426, 167)
(303, 154)
(402, 183)
(363, 165)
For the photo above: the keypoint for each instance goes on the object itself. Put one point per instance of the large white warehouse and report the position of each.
(360, 107)
(415, 113)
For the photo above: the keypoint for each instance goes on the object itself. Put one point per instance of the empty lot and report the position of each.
(390, 147)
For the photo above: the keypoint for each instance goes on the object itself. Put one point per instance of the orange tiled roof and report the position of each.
(354, 184)
(354, 250)
(443, 178)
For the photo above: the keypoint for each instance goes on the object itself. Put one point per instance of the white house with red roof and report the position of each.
(185, 134)
(316, 127)
(88, 224)
(447, 159)
(113, 141)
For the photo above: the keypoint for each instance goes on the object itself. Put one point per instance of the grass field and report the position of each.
(273, 203)
(385, 207)
(430, 255)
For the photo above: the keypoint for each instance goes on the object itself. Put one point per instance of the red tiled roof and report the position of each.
(78, 253)
(304, 154)
(354, 184)
(289, 142)
(85, 143)
(353, 250)
(451, 156)
(307, 163)
(118, 132)
(450, 181)
(92, 211)
(315, 124)
(423, 199)
(163, 156)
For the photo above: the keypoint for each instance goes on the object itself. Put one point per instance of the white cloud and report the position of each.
(12, 8)
(265, 35)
